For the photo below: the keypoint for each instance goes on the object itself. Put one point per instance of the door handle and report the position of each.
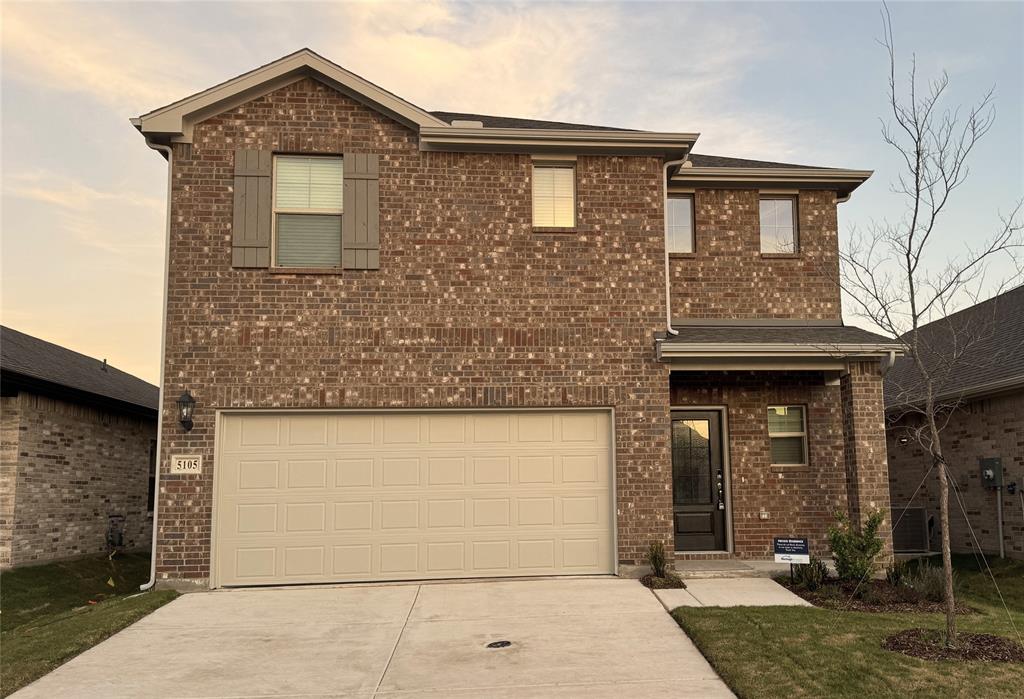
(721, 491)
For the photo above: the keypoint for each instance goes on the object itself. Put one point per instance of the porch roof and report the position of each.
(773, 345)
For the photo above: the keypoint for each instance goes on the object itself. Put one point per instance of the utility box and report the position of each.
(991, 472)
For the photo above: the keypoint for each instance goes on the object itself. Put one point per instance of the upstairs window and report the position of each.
(554, 196)
(307, 211)
(787, 431)
(680, 224)
(779, 233)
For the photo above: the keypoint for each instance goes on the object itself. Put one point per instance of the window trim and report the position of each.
(274, 211)
(804, 437)
(795, 199)
(693, 225)
(554, 165)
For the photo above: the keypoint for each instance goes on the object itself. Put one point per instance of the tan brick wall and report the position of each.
(76, 465)
(8, 473)
(728, 277)
(982, 428)
(470, 308)
(799, 501)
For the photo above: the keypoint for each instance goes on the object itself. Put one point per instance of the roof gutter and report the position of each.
(680, 350)
(169, 155)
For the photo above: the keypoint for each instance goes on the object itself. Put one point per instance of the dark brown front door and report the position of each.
(698, 482)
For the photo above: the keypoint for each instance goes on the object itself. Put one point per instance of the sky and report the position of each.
(83, 199)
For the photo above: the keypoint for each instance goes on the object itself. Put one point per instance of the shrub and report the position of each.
(811, 576)
(656, 557)
(855, 549)
(930, 582)
(897, 574)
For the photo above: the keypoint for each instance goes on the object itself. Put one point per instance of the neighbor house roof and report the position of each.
(974, 352)
(35, 364)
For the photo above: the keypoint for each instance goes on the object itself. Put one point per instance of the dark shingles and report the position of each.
(816, 335)
(502, 122)
(965, 351)
(700, 160)
(37, 359)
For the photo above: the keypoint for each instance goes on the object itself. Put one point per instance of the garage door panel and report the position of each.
(467, 498)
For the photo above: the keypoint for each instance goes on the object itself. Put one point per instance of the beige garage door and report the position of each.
(331, 497)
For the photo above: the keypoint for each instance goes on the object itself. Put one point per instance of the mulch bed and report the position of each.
(929, 644)
(670, 582)
(872, 596)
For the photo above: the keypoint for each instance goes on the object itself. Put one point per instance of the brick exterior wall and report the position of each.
(799, 501)
(736, 281)
(470, 308)
(982, 428)
(69, 467)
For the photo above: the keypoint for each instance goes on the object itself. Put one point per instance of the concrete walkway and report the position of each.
(599, 637)
(730, 592)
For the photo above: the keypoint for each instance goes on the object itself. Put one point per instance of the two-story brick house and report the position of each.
(438, 345)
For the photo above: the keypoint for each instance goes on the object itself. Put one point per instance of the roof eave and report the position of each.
(749, 350)
(583, 141)
(843, 181)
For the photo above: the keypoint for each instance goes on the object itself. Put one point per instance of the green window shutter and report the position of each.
(360, 246)
(250, 229)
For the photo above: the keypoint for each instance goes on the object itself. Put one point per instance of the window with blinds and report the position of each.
(307, 211)
(778, 225)
(787, 430)
(680, 224)
(554, 197)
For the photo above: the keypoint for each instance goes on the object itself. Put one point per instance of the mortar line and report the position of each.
(398, 640)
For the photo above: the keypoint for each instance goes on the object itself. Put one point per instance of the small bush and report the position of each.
(897, 574)
(811, 576)
(930, 582)
(656, 557)
(855, 549)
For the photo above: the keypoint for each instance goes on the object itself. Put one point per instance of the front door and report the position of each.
(698, 481)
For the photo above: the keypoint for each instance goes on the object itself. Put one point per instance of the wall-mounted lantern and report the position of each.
(186, 409)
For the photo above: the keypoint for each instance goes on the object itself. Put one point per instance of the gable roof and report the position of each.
(29, 362)
(991, 363)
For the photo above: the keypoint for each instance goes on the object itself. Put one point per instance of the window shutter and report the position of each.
(360, 229)
(250, 230)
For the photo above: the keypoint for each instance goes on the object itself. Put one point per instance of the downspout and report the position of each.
(166, 150)
(664, 208)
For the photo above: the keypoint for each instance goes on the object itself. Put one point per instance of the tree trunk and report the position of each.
(947, 560)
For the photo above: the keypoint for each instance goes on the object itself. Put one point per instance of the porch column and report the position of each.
(867, 469)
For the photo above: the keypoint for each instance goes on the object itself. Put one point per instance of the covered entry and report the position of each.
(320, 496)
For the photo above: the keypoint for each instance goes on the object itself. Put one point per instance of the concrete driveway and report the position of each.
(599, 637)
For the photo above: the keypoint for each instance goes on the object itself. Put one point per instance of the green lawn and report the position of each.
(51, 613)
(801, 651)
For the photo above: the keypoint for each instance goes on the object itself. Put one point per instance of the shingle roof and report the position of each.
(700, 160)
(44, 361)
(817, 335)
(975, 350)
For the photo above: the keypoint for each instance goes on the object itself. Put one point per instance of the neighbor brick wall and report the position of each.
(981, 428)
(8, 473)
(736, 281)
(799, 501)
(470, 307)
(75, 466)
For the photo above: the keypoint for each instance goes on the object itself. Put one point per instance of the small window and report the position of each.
(778, 225)
(787, 430)
(680, 224)
(554, 197)
(307, 211)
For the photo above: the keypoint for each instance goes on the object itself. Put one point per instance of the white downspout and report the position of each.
(668, 283)
(163, 351)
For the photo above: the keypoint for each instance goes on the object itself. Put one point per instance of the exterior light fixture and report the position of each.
(904, 440)
(186, 409)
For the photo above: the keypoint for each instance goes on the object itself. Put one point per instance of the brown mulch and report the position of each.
(666, 583)
(872, 596)
(929, 644)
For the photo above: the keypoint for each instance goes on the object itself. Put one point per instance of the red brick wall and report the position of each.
(799, 501)
(470, 308)
(75, 466)
(983, 428)
(728, 277)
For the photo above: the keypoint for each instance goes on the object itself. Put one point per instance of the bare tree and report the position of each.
(896, 279)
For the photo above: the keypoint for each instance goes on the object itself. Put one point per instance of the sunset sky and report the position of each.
(83, 198)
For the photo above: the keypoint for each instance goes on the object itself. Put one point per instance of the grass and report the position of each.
(50, 613)
(804, 651)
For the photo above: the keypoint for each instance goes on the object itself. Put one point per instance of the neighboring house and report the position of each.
(436, 345)
(77, 453)
(978, 356)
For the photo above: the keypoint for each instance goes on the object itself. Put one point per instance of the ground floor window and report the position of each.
(787, 429)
